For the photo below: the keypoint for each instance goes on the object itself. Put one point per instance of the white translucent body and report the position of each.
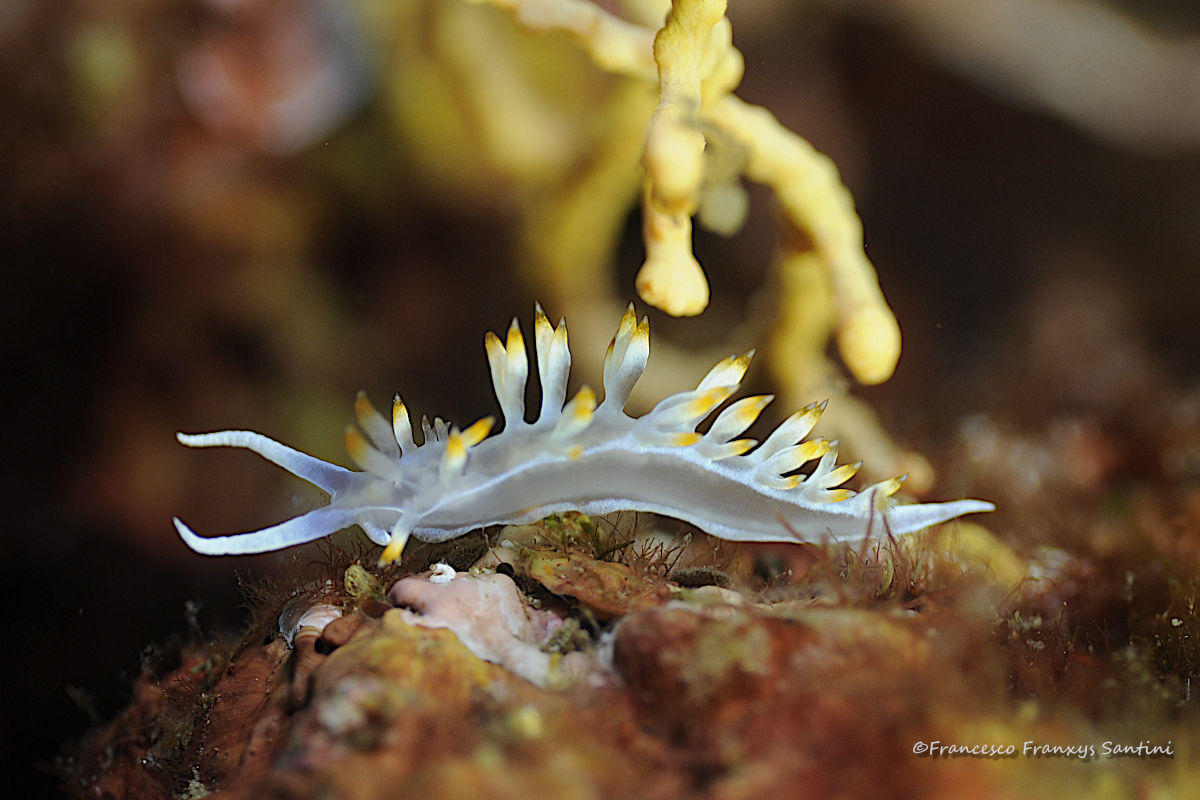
(585, 458)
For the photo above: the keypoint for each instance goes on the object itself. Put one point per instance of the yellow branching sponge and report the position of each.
(697, 69)
(671, 278)
(526, 117)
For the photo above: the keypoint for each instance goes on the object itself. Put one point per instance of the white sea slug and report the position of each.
(583, 457)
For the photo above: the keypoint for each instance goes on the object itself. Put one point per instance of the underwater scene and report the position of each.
(645, 398)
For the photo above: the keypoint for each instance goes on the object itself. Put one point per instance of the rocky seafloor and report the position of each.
(631, 656)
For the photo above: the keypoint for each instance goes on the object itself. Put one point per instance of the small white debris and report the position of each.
(295, 617)
(442, 573)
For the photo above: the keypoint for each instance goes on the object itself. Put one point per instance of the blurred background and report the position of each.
(236, 213)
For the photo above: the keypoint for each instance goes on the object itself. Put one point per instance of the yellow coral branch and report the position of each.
(614, 44)
(671, 278)
(827, 286)
(817, 203)
(697, 67)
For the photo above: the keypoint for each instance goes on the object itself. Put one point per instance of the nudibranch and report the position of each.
(582, 456)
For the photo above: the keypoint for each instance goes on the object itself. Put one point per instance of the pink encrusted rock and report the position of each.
(490, 618)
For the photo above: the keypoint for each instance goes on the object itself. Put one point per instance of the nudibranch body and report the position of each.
(581, 456)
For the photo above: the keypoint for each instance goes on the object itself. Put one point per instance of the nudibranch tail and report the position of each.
(910, 519)
(583, 456)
